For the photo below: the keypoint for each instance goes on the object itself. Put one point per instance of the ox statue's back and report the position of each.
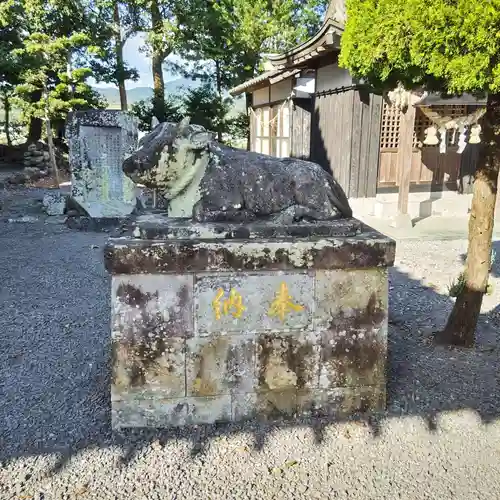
(210, 182)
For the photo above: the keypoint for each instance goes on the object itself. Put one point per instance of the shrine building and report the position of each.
(305, 106)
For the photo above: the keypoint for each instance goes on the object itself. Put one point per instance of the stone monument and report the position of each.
(99, 141)
(257, 296)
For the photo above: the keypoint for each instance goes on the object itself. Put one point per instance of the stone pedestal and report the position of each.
(99, 141)
(208, 329)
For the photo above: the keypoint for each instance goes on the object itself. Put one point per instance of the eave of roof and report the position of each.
(326, 39)
(328, 36)
(253, 82)
(270, 77)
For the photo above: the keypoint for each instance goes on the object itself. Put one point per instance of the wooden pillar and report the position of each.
(404, 158)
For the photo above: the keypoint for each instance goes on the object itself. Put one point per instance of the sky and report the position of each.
(141, 62)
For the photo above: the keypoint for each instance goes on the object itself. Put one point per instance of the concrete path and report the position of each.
(432, 228)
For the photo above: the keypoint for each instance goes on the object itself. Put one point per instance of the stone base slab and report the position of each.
(155, 226)
(265, 406)
(97, 225)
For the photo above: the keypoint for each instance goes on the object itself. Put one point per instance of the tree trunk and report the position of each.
(35, 129)
(6, 107)
(35, 126)
(50, 141)
(120, 67)
(52, 154)
(158, 89)
(158, 57)
(218, 85)
(69, 73)
(123, 95)
(461, 326)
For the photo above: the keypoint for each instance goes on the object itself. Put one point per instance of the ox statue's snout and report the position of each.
(131, 166)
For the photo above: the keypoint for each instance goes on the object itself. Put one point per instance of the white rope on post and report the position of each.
(280, 110)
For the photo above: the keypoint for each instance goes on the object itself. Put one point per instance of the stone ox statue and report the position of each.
(209, 182)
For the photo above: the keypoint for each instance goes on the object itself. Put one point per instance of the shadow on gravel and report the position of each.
(54, 351)
(425, 379)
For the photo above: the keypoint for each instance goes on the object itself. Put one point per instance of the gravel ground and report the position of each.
(439, 438)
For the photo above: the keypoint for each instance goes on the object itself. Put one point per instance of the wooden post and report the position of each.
(404, 158)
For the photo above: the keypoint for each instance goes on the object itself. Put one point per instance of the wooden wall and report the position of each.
(345, 132)
(429, 170)
(330, 76)
(272, 93)
(301, 128)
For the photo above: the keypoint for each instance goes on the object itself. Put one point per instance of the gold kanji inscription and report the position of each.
(283, 304)
(232, 305)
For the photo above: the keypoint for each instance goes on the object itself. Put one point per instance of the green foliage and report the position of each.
(309, 16)
(237, 127)
(143, 110)
(44, 59)
(230, 36)
(203, 106)
(446, 45)
(10, 41)
(457, 286)
(206, 108)
(58, 44)
(235, 34)
(60, 90)
(112, 23)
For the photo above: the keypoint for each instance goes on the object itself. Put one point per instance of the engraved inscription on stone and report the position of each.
(102, 147)
(100, 184)
(233, 304)
(252, 302)
(282, 304)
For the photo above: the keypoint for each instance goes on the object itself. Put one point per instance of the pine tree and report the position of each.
(10, 68)
(53, 81)
(52, 57)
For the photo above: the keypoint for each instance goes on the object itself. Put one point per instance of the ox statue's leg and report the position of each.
(201, 214)
(297, 213)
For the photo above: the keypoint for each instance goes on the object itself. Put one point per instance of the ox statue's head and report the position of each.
(169, 157)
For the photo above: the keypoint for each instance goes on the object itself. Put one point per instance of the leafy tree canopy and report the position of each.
(110, 24)
(451, 46)
(447, 45)
(53, 56)
(143, 110)
(236, 33)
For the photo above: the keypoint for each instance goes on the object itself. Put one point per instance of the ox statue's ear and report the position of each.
(201, 139)
(183, 127)
(154, 122)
